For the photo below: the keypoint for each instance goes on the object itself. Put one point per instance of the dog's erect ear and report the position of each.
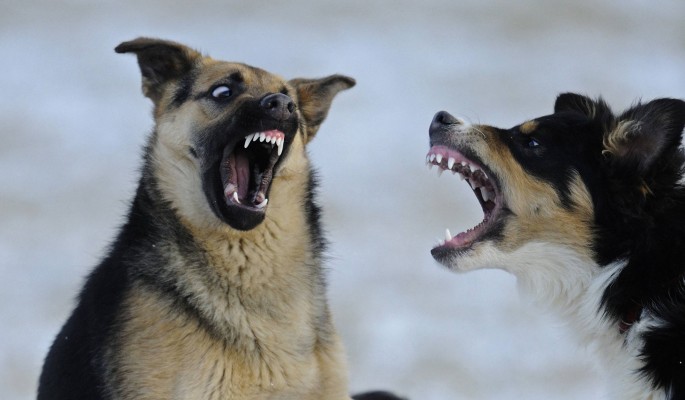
(315, 97)
(594, 109)
(645, 132)
(160, 61)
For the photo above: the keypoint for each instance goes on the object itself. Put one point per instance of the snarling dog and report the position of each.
(213, 288)
(587, 210)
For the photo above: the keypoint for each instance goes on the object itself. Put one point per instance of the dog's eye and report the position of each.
(221, 92)
(533, 143)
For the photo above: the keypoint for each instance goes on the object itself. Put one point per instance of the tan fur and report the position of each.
(614, 141)
(176, 358)
(536, 204)
(268, 333)
(528, 127)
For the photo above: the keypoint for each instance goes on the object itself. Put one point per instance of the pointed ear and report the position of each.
(646, 132)
(160, 61)
(593, 109)
(315, 97)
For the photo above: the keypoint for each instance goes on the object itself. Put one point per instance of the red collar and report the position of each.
(629, 318)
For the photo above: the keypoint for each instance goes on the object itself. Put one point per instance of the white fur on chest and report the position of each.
(558, 279)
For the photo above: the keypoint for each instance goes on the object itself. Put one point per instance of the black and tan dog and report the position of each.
(587, 209)
(214, 287)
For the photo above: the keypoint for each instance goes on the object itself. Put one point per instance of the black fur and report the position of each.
(76, 356)
(639, 206)
(377, 396)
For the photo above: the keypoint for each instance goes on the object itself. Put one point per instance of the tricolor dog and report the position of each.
(587, 209)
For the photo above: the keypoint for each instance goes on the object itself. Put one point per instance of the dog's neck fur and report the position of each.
(569, 285)
(243, 273)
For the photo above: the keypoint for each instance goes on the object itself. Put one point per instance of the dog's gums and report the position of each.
(484, 187)
(247, 171)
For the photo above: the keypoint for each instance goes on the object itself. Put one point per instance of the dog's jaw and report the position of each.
(237, 171)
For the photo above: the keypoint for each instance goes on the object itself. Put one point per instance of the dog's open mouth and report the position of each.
(248, 167)
(484, 186)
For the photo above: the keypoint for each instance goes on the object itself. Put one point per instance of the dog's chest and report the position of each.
(165, 354)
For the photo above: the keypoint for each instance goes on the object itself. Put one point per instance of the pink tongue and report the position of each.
(242, 168)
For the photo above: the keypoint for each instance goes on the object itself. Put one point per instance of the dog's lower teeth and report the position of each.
(235, 197)
(229, 190)
(262, 204)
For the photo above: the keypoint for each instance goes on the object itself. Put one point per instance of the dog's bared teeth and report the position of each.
(229, 190)
(448, 235)
(450, 162)
(262, 136)
(235, 197)
(262, 204)
(256, 136)
(484, 193)
(248, 139)
(438, 158)
(279, 143)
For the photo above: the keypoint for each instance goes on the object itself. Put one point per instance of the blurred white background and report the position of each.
(73, 120)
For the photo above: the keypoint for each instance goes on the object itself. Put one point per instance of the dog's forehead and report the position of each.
(214, 71)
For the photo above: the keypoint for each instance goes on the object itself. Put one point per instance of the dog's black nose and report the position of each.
(277, 105)
(441, 121)
(443, 118)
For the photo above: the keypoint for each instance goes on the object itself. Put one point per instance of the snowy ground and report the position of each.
(72, 121)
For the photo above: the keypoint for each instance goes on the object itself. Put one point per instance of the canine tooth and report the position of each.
(484, 194)
(230, 188)
(262, 204)
(450, 162)
(279, 143)
(248, 140)
(448, 235)
(235, 197)
(438, 158)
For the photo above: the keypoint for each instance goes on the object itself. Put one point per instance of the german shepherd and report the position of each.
(213, 288)
(587, 210)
